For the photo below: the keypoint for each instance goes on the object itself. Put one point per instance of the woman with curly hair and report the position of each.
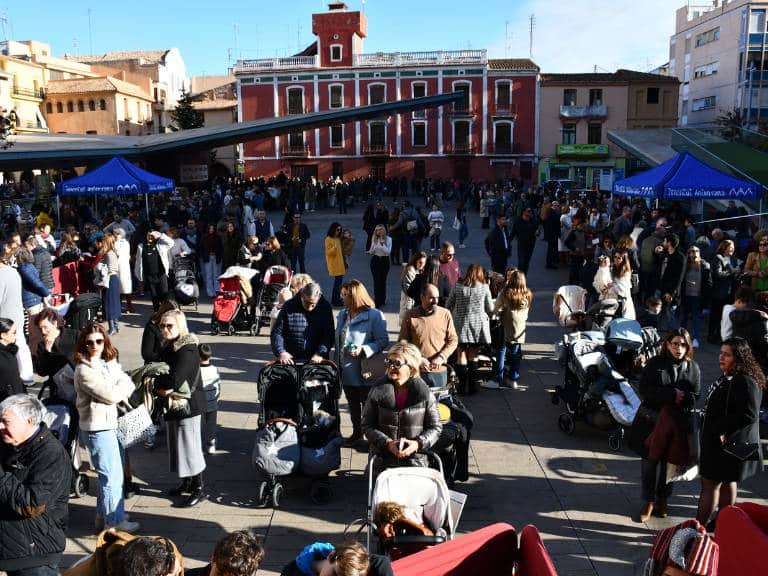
(511, 306)
(730, 435)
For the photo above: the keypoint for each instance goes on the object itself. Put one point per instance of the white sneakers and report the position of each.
(510, 384)
(490, 385)
(212, 448)
(127, 526)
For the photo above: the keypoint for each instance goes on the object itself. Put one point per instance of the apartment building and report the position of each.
(718, 53)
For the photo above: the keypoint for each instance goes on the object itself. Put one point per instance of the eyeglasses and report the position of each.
(170, 325)
(389, 363)
(97, 342)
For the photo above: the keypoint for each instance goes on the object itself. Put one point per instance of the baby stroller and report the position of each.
(299, 430)
(266, 300)
(593, 390)
(233, 305)
(425, 499)
(62, 420)
(83, 310)
(185, 287)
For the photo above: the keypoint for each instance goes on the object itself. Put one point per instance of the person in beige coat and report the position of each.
(100, 384)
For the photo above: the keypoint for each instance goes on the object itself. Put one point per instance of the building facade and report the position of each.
(578, 110)
(491, 134)
(718, 52)
(22, 89)
(215, 97)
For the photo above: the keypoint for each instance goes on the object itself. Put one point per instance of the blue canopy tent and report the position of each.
(686, 177)
(116, 177)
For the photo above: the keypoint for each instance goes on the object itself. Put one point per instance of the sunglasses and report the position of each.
(394, 363)
(98, 342)
(171, 325)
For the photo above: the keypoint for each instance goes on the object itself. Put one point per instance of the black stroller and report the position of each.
(83, 310)
(299, 429)
(185, 287)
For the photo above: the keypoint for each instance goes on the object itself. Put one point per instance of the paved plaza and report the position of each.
(523, 470)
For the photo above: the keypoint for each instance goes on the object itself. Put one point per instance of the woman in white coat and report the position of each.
(614, 280)
(123, 249)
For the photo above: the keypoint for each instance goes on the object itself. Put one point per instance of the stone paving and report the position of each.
(581, 495)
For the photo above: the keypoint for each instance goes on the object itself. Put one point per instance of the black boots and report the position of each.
(192, 485)
(472, 378)
(180, 489)
(461, 377)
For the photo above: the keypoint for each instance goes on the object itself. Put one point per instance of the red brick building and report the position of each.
(492, 134)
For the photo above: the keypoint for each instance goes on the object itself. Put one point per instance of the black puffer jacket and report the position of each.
(44, 266)
(183, 359)
(10, 381)
(752, 325)
(419, 420)
(34, 492)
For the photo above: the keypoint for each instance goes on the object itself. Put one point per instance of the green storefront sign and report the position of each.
(582, 150)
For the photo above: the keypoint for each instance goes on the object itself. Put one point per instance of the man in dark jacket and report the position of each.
(498, 245)
(304, 328)
(294, 238)
(526, 229)
(551, 225)
(34, 490)
(751, 323)
(671, 270)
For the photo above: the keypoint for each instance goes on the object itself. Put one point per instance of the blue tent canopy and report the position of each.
(118, 176)
(685, 176)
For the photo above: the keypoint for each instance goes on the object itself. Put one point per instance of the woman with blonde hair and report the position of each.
(361, 333)
(334, 261)
(471, 306)
(110, 296)
(380, 249)
(512, 306)
(614, 280)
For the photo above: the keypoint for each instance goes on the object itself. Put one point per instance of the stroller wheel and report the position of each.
(616, 441)
(81, 486)
(321, 492)
(566, 423)
(255, 327)
(277, 495)
(214, 327)
(231, 330)
(263, 493)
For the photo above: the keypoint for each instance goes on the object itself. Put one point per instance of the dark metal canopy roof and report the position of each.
(68, 150)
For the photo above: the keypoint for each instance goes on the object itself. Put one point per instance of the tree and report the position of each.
(184, 116)
(731, 122)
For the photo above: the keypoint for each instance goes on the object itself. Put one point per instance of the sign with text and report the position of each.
(193, 173)
(582, 149)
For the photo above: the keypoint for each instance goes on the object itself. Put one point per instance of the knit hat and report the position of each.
(688, 546)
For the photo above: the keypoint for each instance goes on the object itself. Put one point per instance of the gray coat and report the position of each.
(471, 307)
(419, 420)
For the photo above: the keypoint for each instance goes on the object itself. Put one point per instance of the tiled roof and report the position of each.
(102, 84)
(149, 56)
(512, 64)
(620, 75)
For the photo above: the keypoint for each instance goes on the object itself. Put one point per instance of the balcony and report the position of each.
(30, 93)
(460, 149)
(377, 150)
(503, 149)
(433, 58)
(267, 64)
(505, 111)
(294, 151)
(461, 110)
(592, 111)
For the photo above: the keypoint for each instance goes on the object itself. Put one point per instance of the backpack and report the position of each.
(101, 275)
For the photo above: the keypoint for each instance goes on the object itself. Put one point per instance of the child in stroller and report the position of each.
(233, 305)
(267, 297)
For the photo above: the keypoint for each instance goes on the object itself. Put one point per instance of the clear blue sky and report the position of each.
(568, 36)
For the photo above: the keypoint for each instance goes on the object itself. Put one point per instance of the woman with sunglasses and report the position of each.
(100, 384)
(671, 382)
(400, 418)
(731, 421)
(697, 285)
(756, 266)
(185, 401)
(380, 248)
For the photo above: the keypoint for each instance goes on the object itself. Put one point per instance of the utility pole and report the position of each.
(749, 100)
(508, 40)
(4, 21)
(532, 20)
(236, 30)
(90, 33)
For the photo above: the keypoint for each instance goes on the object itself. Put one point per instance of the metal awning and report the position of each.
(68, 150)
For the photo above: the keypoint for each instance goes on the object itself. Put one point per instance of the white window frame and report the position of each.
(511, 132)
(368, 88)
(419, 114)
(341, 52)
(330, 95)
(386, 135)
(303, 139)
(469, 92)
(330, 137)
(496, 91)
(705, 103)
(453, 132)
(705, 70)
(413, 134)
(288, 98)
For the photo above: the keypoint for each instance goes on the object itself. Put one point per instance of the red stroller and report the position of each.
(233, 309)
(276, 278)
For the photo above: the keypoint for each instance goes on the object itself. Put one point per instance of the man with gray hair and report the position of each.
(35, 474)
(304, 327)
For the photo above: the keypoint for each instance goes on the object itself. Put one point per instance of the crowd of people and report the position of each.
(661, 269)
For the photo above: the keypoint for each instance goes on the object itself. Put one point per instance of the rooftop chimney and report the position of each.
(337, 7)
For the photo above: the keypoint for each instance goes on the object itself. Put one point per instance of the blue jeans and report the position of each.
(107, 461)
(336, 293)
(515, 352)
(463, 232)
(691, 306)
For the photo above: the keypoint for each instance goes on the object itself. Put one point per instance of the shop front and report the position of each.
(590, 166)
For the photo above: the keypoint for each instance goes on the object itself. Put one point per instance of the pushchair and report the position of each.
(233, 305)
(62, 420)
(83, 310)
(299, 429)
(425, 499)
(275, 279)
(593, 390)
(185, 287)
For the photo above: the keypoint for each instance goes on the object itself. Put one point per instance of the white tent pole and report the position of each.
(146, 203)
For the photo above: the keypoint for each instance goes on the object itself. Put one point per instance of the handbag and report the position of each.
(739, 449)
(456, 223)
(135, 427)
(635, 281)
(373, 369)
